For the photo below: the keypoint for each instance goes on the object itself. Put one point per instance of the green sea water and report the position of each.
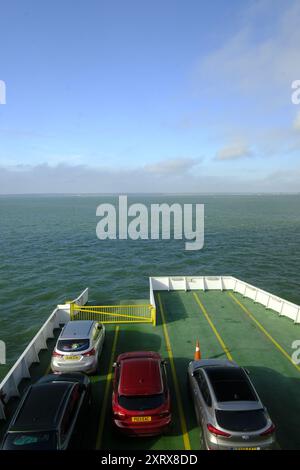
(49, 252)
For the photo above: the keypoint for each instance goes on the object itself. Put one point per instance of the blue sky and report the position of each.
(125, 96)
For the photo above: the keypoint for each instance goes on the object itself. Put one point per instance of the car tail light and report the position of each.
(92, 352)
(56, 354)
(268, 431)
(119, 415)
(217, 432)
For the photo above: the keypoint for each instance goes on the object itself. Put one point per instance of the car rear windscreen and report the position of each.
(30, 441)
(141, 403)
(243, 421)
(67, 345)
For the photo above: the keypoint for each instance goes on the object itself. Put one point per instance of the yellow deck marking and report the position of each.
(185, 435)
(204, 311)
(276, 344)
(107, 389)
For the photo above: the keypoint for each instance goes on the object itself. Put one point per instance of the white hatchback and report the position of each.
(78, 347)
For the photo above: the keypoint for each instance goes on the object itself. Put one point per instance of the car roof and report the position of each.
(79, 329)
(140, 374)
(139, 354)
(42, 406)
(230, 384)
(212, 362)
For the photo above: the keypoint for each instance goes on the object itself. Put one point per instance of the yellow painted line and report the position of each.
(107, 389)
(185, 435)
(218, 336)
(266, 333)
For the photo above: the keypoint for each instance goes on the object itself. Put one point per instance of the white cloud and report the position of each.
(234, 152)
(266, 66)
(247, 81)
(176, 166)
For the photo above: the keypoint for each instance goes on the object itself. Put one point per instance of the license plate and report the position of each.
(141, 419)
(247, 448)
(71, 358)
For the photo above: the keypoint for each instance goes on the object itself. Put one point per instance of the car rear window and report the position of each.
(30, 441)
(67, 345)
(141, 403)
(244, 421)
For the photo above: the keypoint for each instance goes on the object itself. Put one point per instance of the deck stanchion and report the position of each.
(72, 310)
(153, 315)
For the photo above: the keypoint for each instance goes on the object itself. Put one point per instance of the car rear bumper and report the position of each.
(79, 366)
(221, 444)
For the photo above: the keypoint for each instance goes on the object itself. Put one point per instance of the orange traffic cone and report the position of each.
(197, 355)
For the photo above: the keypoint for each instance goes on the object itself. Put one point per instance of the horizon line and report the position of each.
(208, 193)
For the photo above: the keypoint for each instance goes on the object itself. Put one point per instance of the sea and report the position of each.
(49, 253)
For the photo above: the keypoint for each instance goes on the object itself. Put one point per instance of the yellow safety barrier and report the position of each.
(139, 313)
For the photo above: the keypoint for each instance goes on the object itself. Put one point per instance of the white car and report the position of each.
(78, 347)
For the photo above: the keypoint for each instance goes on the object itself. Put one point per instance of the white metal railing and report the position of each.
(20, 370)
(152, 296)
(273, 302)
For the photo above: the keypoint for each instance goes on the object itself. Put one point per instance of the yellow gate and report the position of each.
(140, 313)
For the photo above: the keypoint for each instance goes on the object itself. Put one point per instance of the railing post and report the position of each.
(153, 315)
(71, 310)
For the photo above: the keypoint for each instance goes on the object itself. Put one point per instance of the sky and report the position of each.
(137, 96)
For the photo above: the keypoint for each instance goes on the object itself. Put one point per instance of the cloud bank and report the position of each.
(77, 179)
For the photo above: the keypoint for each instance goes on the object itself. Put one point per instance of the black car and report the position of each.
(47, 414)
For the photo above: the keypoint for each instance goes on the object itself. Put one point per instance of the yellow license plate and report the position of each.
(141, 419)
(247, 448)
(72, 358)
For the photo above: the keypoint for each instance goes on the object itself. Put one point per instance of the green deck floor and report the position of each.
(276, 379)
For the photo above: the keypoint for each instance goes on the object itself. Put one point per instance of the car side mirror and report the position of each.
(115, 364)
(164, 362)
(99, 327)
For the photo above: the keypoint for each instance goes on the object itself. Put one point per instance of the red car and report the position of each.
(141, 398)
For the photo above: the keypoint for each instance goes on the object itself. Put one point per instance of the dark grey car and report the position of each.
(47, 414)
(228, 407)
